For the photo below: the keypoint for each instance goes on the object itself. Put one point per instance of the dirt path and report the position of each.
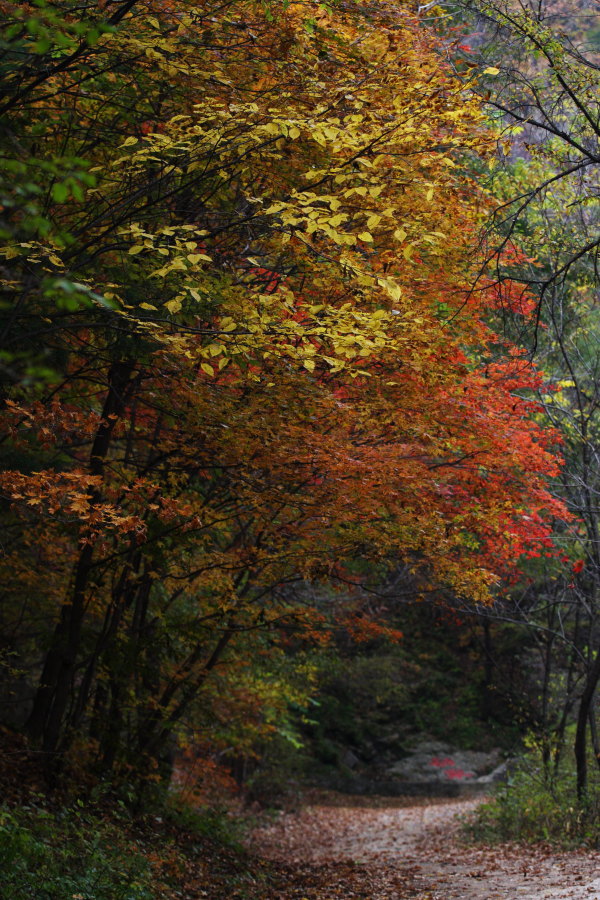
(422, 841)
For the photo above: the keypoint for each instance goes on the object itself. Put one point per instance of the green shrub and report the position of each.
(60, 856)
(536, 805)
(214, 823)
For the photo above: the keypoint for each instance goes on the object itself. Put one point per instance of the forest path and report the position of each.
(417, 843)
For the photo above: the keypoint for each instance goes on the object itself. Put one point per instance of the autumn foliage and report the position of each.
(241, 349)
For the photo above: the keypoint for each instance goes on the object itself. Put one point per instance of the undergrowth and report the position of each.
(538, 804)
(54, 855)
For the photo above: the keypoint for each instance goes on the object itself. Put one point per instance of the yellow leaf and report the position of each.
(491, 70)
(196, 257)
(309, 364)
(272, 128)
(390, 287)
(137, 248)
(365, 236)
(275, 208)
(206, 367)
(214, 349)
(146, 306)
(399, 234)
(173, 306)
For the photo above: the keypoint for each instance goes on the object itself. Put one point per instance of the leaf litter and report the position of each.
(401, 848)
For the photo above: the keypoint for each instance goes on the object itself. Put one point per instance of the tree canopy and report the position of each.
(241, 347)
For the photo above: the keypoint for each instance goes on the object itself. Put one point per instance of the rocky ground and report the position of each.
(403, 848)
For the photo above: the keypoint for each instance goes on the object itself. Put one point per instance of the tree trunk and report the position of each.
(159, 726)
(56, 682)
(585, 705)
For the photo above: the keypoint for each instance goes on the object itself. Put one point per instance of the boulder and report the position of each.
(349, 759)
(433, 762)
(500, 773)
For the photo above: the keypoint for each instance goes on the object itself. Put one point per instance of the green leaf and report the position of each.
(60, 192)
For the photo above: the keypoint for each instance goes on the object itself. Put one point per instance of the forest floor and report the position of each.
(330, 847)
(390, 849)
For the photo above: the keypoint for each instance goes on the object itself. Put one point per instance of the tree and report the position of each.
(545, 91)
(263, 359)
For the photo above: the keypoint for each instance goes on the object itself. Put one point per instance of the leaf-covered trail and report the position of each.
(415, 851)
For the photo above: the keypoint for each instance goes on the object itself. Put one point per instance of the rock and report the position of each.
(431, 748)
(503, 772)
(435, 762)
(499, 774)
(349, 759)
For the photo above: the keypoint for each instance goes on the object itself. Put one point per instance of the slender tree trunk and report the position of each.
(585, 705)
(594, 732)
(569, 693)
(488, 670)
(159, 726)
(114, 727)
(546, 714)
(112, 620)
(56, 683)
